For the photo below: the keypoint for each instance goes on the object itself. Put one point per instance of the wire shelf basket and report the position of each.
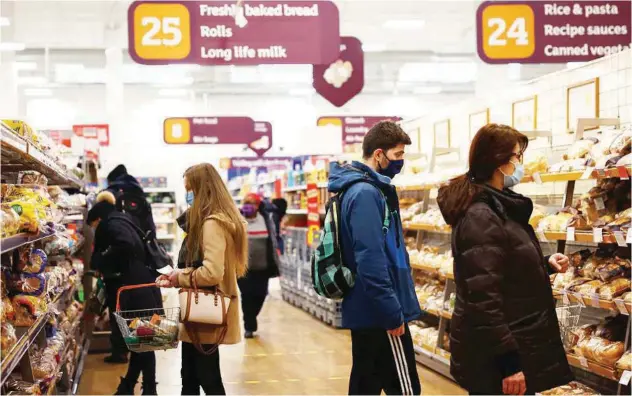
(147, 329)
(568, 319)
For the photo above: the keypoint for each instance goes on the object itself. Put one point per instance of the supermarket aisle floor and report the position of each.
(294, 354)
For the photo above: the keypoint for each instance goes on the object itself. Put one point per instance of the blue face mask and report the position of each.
(393, 168)
(189, 198)
(516, 177)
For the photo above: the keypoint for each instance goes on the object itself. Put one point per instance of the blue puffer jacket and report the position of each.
(384, 292)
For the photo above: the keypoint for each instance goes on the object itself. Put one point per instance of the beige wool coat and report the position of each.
(218, 269)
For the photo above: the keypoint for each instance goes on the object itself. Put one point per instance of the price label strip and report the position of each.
(594, 300)
(620, 238)
(580, 299)
(623, 172)
(587, 173)
(537, 178)
(598, 235)
(621, 306)
(625, 377)
(570, 234)
(583, 361)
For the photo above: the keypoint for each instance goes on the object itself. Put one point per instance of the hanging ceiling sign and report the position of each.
(342, 80)
(206, 32)
(552, 32)
(209, 130)
(353, 128)
(263, 138)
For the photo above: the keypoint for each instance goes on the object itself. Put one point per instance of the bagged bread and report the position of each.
(614, 288)
(601, 350)
(589, 288)
(572, 388)
(625, 363)
(580, 149)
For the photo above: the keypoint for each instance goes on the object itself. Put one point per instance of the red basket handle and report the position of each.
(130, 287)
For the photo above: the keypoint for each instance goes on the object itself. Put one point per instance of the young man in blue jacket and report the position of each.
(382, 302)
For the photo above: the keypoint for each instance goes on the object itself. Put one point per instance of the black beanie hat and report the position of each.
(101, 211)
(120, 170)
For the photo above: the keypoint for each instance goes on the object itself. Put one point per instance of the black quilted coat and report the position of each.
(504, 319)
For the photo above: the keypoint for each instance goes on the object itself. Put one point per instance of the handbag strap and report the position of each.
(193, 334)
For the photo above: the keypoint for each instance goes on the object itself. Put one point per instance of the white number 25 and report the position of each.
(168, 25)
(516, 31)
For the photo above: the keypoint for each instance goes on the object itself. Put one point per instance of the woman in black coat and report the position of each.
(505, 336)
(119, 255)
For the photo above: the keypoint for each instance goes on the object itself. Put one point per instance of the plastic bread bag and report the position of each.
(33, 285)
(572, 388)
(606, 352)
(625, 363)
(19, 387)
(557, 222)
(7, 310)
(580, 149)
(612, 329)
(28, 309)
(626, 160)
(7, 337)
(9, 222)
(537, 163)
(29, 215)
(589, 288)
(32, 177)
(578, 259)
(35, 262)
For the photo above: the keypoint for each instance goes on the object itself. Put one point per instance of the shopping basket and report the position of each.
(147, 329)
(568, 319)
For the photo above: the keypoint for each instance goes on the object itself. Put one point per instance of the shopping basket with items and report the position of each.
(147, 330)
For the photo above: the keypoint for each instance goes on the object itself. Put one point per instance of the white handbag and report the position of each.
(203, 307)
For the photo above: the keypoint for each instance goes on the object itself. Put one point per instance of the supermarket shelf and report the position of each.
(165, 237)
(75, 249)
(16, 241)
(431, 270)
(12, 359)
(580, 175)
(79, 367)
(446, 314)
(427, 357)
(426, 227)
(593, 367)
(416, 187)
(595, 302)
(303, 188)
(580, 236)
(18, 154)
(163, 205)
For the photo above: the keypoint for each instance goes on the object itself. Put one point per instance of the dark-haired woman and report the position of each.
(505, 337)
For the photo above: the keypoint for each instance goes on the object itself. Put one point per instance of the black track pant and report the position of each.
(142, 362)
(382, 362)
(251, 305)
(199, 370)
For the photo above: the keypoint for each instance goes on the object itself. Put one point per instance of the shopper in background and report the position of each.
(119, 255)
(216, 255)
(262, 261)
(130, 197)
(279, 215)
(382, 302)
(504, 334)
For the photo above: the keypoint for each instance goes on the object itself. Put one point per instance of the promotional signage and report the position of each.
(250, 162)
(98, 132)
(263, 138)
(342, 80)
(552, 31)
(313, 212)
(353, 128)
(209, 130)
(208, 32)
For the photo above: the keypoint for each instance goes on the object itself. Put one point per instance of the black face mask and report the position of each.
(393, 168)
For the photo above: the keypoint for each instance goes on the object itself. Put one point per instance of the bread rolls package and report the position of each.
(614, 288)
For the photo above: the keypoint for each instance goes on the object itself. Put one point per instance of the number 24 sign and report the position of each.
(507, 31)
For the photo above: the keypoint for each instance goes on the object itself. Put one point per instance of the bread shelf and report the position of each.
(612, 305)
(446, 314)
(595, 174)
(426, 227)
(16, 241)
(432, 270)
(580, 236)
(593, 367)
(19, 155)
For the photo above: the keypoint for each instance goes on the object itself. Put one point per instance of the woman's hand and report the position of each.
(515, 384)
(170, 280)
(559, 262)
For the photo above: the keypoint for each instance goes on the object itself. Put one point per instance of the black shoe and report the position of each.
(149, 388)
(126, 387)
(116, 359)
(249, 334)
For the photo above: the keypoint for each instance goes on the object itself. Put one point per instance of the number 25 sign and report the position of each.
(552, 31)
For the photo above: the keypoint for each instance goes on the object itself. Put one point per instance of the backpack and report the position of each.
(331, 277)
(137, 206)
(156, 258)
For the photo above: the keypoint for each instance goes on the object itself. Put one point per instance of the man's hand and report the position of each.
(515, 384)
(559, 262)
(398, 332)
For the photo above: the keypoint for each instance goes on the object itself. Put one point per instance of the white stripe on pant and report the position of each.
(401, 365)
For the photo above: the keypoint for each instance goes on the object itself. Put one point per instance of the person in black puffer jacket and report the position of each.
(130, 198)
(119, 255)
(505, 336)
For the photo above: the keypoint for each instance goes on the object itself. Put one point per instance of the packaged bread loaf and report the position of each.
(600, 350)
(580, 149)
(589, 288)
(614, 288)
(625, 363)
(572, 388)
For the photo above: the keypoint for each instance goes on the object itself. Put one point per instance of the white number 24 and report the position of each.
(516, 31)
(168, 25)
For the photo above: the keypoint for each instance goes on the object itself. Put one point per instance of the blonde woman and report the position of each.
(216, 254)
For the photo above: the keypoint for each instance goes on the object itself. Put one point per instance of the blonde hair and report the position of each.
(211, 198)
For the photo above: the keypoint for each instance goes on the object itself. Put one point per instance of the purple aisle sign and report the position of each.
(341, 81)
(552, 31)
(206, 32)
(263, 138)
(209, 130)
(353, 128)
